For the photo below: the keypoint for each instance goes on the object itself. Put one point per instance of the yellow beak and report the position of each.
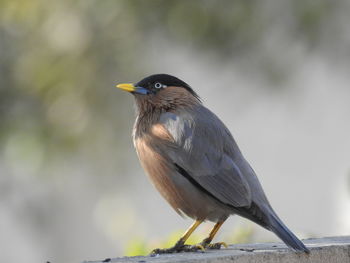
(126, 87)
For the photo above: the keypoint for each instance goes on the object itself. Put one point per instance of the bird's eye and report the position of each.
(158, 85)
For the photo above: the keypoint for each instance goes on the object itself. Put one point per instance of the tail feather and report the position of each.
(267, 218)
(277, 226)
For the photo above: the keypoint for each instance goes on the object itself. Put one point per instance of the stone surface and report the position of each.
(323, 250)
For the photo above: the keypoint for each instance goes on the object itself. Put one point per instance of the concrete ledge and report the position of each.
(323, 250)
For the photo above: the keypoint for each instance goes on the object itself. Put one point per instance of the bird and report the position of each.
(194, 162)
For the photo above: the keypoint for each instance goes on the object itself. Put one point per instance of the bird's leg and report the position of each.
(180, 244)
(206, 243)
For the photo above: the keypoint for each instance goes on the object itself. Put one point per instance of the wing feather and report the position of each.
(205, 149)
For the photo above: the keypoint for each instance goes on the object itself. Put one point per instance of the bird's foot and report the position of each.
(194, 248)
(217, 245)
(201, 247)
(207, 245)
(179, 247)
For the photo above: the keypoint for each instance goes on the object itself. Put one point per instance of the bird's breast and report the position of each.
(158, 168)
(179, 192)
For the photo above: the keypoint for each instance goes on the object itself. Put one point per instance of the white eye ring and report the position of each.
(158, 85)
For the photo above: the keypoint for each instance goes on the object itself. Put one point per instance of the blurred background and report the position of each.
(71, 188)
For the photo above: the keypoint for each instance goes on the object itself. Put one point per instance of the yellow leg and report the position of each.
(180, 245)
(206, 242)
(215, 230)
(190, 230)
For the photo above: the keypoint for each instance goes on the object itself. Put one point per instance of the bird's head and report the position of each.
(161, 91)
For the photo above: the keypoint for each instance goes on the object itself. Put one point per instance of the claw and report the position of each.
(201, 247)
(224, 244)
(216, 245)
(198, 247)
